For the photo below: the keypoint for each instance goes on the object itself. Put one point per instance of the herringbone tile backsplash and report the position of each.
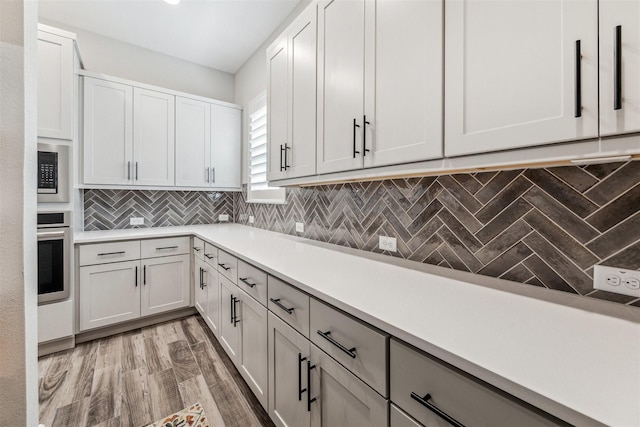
(111, 209)
(543, 227)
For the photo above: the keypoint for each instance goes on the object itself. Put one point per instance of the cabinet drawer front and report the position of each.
(253, 281)
(228, 265)
(290, 304)
(163, 247)
(459, 395)
(103, 253)
(358, 347)
(210, 255)
(400, 419)
(198, 248)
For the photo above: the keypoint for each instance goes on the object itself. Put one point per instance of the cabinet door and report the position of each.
(165, 284)
(301, 155)
(212, 285)
(226, 126)
(108, 132)
(340, 85)
(277, 109)
(193, 143)
(229, 327)
(109, 293)
(341, 398)
(153, 137)
(403, 81)
(252, 357)
(512, 73)
(288, 353)
(55, 86)
(619, 68)
(200, 291)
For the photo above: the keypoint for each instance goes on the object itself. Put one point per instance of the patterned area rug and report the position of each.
(193, 416)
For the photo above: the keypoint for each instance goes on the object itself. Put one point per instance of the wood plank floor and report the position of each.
(138, 377)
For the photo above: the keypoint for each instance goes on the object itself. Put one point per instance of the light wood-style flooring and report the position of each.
(137, 377)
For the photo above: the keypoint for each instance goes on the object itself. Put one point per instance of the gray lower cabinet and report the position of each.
(341, 399)
(420, 383)
(399, 418)
(288, 356)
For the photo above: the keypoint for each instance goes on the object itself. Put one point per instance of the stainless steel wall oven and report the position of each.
(54, 252)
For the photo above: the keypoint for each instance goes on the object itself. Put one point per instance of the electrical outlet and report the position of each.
(223, 217)
(252, 219)
(388, 243)
(136, 221)
(300, 227)
(618, 280)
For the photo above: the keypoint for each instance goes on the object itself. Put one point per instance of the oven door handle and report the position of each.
(48, 234)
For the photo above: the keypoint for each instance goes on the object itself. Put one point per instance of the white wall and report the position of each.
(251, 80)
(18, 277)
(112, 57)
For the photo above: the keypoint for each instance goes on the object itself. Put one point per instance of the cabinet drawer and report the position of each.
(103, 253)
(198, 248)
(290, 304)
(358, 347)
(400, 419)
(210, 255)
(228, 265)
(253, 281)
(463, 397)
(163, 247)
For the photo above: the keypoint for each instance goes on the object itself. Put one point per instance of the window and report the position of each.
(258, 191)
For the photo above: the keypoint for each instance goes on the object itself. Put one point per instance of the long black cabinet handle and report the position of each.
(279, 304)
(617, 71)
(201, 277)
(136, 171)
(300, 389)
(424, 401)
(355, 125)
(235, 311)
(128, 171)
(245, 280)
(365, 150)
(309, 399)
(136, 276)
(203, 273)
(144, 275)
(209, 256)
(281, 153)
(578, 86)
(225, 267)
(111, 253)
(286, 147)
(163, 248)
(232, 305)
(327, 336)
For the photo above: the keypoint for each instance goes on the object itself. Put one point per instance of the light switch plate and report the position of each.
(136, 221)
(223, 217)
(300, 227)
(618, 280)
(388, 243)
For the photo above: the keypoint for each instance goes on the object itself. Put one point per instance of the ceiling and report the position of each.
(220, 34)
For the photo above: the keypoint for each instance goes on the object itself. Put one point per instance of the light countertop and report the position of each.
(572, 357)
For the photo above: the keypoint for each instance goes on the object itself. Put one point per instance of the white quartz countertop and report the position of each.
(576, 359)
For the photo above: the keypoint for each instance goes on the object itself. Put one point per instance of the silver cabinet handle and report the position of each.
(207, 174)
(166, 247)
(128, 171)
(136, 171)
(111, 253)
(213, 174)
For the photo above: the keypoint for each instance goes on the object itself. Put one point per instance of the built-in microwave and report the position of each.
(53, 173)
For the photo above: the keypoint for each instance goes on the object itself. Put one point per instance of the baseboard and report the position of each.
(55, 346)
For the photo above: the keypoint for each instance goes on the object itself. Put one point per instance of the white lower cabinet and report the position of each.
(207, 294)
(165, 284)
(339, 398)
(109, 293)
(229, 331)
(200, 292)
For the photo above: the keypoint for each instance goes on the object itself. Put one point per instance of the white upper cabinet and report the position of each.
(153, 137)
(193, 143)
(403, 82)
(108, 132)
(519, 73)
(226, 145)
(619, 66)
(341, 50)
(292, 99)
(55, 86)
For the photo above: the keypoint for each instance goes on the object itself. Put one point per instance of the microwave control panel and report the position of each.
(47, 172)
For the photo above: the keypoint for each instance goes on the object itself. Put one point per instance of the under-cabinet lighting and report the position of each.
(173, 2)
(592, 160)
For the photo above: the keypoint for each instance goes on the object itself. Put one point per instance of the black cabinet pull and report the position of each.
(309, 399)
(281, 154)
(365, 150)
(136, 276)
(136, 171)
(144, 275)
(245, 280)
(300, 389)
(279, 304)
(327, 336)
(439, 412)
(204, 284)
(197, 249)
(128, 171)
(111, 253)
(617, 70)
(235, 310)
(166, 247)
(209, 256)
(225, 267)
(200, 277)
(286, 147)
(355, 125)
(231, 311)
(578, 112)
